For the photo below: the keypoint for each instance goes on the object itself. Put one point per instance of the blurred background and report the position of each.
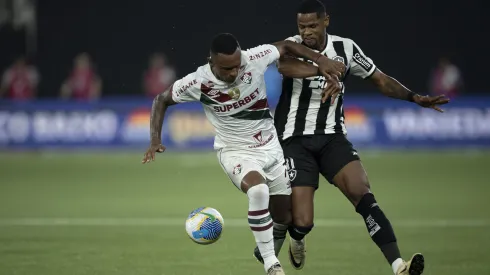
(77, 81)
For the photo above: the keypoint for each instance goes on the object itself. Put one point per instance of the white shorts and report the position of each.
(268, 162)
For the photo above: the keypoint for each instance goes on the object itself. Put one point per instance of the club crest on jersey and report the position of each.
(237, 169)
(339, 59)
(214, 93)
(246, 78)
(290, 168)
(234, 93)
(258, 137)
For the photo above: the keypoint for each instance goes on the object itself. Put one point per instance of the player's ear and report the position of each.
(326, 21)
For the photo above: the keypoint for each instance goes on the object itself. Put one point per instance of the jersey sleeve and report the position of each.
(186, 89)
(296, 39)
(263, 56)
(361, 65)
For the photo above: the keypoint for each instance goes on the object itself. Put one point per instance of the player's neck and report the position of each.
(215, 74)
(218, 78)
(323, 44)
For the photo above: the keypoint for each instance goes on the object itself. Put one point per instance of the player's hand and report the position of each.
(334, 87)
(327, 66)
(432, 102)
(152, 150)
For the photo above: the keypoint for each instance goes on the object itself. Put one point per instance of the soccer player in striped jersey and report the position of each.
(310, 125)
(231, 88)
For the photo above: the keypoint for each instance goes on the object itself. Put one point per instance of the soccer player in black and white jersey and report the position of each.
(310, 125)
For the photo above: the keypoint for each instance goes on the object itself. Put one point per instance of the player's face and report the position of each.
(312, 29)
(226, 67)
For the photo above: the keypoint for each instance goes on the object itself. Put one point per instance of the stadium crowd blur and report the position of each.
(82, 74)
(20, 80)
(31, 38)
(82, 82)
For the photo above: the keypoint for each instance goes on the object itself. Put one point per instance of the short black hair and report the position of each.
(224, 43)
(312, 6)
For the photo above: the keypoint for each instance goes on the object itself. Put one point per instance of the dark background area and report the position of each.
(404, 38)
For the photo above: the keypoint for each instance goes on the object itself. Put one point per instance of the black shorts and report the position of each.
(308, 156)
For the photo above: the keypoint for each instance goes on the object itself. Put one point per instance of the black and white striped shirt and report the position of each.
(300, 111)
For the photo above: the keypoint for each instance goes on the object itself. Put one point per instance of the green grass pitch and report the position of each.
(106, 213)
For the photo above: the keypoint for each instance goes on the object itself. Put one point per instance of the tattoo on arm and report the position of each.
(158, 109)
(391, 87)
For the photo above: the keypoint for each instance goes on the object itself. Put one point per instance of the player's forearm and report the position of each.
(392, 88)
(395, 89)
(158, 109)
(300, 51)
(294, 68)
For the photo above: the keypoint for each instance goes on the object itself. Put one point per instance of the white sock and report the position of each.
(260, 222)
(396, 264)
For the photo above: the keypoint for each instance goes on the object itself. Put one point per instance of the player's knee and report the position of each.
(282, 217)
(305, 220)
(355, 187)
(297, 232)
(356, 195)
(251, 179)
(258, 192)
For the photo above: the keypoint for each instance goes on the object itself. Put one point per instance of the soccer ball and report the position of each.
(204, 225)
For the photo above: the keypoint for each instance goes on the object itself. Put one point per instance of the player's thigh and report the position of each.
(352, 181)
(279, 185)
(276, 172)
(340, 165)
(278, 175)
(243, 169)
(301, 165)
(334, 154)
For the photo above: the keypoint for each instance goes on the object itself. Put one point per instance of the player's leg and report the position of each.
(280, 200)
(353, 182)
(280, 209)
(302, 170)
(303, 212)
(342, 167)
(259, 218)
(247, 174)
(280, 190)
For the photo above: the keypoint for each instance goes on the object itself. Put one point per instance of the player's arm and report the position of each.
(295, 68)
(326, 66)
(392, 88)
(183, 90)
(158, 109)
(364, 67)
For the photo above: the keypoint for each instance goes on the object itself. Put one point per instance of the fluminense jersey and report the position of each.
(239, 112)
